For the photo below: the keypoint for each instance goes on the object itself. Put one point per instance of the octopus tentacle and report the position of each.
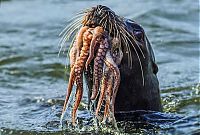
(79, 95)
(69, 89)
(98, 31)
(76, 74)
(98, 66)
(114, 68)
(108, 97)
(79, 67)
(107, 83)
(77, 45)
(103, 90)
(111, 73)
(73, 55)
(79, 39)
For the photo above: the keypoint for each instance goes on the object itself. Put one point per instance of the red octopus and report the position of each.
(93, 43)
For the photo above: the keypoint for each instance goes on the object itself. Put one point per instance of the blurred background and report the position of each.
(33, 79)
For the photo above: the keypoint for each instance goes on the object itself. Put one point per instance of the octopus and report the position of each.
(94, 44)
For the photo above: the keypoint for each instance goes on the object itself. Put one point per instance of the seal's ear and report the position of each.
(155, 67)
(152, 57)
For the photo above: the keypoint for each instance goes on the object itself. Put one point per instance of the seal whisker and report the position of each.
(84, 11)
(142, 72)
(128, 47)
(72, 31)
(134, 39)
(101, 9)
(72, 24)
(97, 8)
(68, 52)
(102, 15)
(125, 36)
(104, 25)
(102, 19)
(62, 44)
(78, 22)
(73, 39)
(66, 37)
(67, 34)
(72, 19)
(110, 24)
(115, 29)
(68, 29)
(128, 51)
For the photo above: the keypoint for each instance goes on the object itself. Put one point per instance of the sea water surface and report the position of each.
(33, 78)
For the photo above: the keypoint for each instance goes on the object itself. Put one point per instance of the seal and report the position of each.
(120, 44)
(139, 86)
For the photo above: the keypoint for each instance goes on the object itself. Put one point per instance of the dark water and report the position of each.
(32, 77)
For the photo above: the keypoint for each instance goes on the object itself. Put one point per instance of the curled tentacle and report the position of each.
(79, 39)
(77, 45)
(97, 33)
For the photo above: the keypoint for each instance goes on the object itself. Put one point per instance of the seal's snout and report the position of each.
(98, 15)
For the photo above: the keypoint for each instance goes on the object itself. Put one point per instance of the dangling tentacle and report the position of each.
(98, 66)
(79, 94)
(108, 97)
(69, 89)
(114, 68)
(79, 67)
(76, 73)
(104, 87)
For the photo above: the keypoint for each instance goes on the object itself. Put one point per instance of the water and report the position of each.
(33, 79)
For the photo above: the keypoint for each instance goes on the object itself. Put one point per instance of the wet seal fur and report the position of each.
(139, 86)
(132, 95)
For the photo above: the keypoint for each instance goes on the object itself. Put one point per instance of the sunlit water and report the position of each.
(33, 79)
